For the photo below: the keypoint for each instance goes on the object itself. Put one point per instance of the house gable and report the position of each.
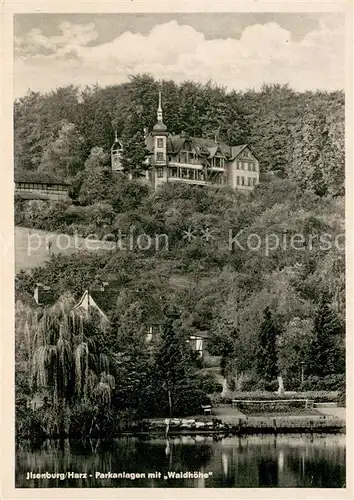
(87, 301)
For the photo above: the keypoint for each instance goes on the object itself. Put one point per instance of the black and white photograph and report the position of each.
(179, 223)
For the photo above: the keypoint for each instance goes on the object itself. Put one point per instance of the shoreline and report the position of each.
(244, 427)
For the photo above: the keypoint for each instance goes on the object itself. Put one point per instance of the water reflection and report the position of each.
(254, 461)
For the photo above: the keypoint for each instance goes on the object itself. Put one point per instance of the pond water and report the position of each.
(231, 462)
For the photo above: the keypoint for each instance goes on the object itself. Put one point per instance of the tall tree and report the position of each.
(96, 177)
(172, 359)
(327, 349)
(64, 156)
(267, 350)
(134, 150)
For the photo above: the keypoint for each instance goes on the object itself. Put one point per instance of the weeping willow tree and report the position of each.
(69, 364)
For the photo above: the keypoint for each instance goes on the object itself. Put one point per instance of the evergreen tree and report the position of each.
(173, 360)
(327, 349)
(97, 178)
(267, 351)
(134, 151)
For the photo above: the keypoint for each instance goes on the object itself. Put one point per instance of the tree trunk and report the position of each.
(169, 402)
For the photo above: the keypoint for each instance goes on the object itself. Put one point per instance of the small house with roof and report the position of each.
(193, 160)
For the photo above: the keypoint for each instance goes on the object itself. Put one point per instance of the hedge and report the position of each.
(317, 396)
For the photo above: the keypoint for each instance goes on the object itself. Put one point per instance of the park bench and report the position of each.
(308, 403)
(206, 409)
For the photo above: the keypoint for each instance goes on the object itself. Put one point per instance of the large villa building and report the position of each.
(193, 160)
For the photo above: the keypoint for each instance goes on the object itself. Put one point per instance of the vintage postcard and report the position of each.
(174, 249)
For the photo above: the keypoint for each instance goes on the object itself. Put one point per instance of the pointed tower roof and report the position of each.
(117, 143)
(159, 127)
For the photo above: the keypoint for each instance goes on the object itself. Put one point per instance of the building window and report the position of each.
(159, 157)
(242, 181)
(238, 180)
(183, 157)
(219, 162)
(160, 172)
(249, 181)
(160, 142)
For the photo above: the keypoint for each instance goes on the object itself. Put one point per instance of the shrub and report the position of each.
(27, 422)
(327, 383)
(188, 401)
(209, 384)
(271, 386)
(231, 383)
(265, 385)
(341, 400)
(81, 418)
(248, 382)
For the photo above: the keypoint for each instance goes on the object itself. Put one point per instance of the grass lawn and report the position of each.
(31, 248)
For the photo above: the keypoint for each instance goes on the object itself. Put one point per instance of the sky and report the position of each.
(236, 50)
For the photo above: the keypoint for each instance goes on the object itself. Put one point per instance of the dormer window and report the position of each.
(183, 156)
(160, 142)
(218, 162)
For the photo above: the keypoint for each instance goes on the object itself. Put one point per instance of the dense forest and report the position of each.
(268, 305)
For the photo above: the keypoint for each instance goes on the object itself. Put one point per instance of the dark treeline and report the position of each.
(297, 134)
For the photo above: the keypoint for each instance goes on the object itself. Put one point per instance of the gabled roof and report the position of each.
(87, 301)
(204, 146)
(207, 147)
(236, 150)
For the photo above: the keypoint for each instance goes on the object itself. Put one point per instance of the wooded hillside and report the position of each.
(252, 300)
(299, 135)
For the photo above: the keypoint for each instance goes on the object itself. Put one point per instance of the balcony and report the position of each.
(196, 166)
(187, 181)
